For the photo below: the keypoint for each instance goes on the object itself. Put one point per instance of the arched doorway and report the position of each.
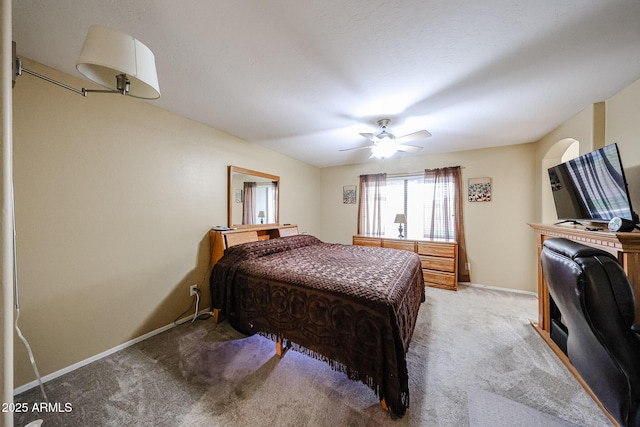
(560, 152)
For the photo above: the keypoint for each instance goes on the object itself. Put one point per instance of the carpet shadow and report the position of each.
(237, 365)
(488, 409)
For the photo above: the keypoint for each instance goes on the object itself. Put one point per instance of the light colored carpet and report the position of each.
(490, 410)
(209, 375)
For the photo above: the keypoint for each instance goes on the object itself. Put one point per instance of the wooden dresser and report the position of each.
(439, 259)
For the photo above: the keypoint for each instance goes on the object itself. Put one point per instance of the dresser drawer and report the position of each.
(440, 278)
(438, 263)
(367, 241)
(398, 244)
(447, 250)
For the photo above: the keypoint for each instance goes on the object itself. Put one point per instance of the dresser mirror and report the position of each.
(254, 198)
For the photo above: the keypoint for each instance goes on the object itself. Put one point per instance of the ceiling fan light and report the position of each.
(383, 151)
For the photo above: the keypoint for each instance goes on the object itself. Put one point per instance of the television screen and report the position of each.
(592, 187)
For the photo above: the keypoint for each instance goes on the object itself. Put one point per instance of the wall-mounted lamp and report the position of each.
(400, 219)
(114, 60)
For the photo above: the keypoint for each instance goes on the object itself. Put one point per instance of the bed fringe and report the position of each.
(352, 374)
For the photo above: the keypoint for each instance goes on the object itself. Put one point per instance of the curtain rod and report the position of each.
(398, 175)
(401, 174)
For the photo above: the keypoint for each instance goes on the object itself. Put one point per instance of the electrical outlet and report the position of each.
(193, 289)
(467, 266)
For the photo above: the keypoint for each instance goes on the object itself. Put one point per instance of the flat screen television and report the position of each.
(592, 188)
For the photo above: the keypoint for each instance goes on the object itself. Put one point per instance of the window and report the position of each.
(259, 202)
(422, 203)
(429, 202)
(264, 203)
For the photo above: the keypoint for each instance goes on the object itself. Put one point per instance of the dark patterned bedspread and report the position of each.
(354, 307)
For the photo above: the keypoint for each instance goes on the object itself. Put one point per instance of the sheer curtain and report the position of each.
(274, 198)
(445, 221)
(371, 201)
(249, 201)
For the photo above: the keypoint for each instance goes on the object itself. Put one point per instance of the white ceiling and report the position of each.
(305, 77)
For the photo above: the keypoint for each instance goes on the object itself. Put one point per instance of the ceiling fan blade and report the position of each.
(369, 136)
(421, 134)
(408, 148)
(356, 148)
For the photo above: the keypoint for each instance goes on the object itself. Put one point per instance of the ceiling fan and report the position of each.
(385, 144)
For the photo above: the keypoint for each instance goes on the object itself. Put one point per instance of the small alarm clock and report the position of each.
(621, 224)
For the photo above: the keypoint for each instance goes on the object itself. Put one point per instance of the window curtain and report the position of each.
(370, 204)
(249, 203)
(446, 213)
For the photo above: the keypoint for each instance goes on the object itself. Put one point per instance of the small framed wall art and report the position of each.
(349, 194)
(479, 189)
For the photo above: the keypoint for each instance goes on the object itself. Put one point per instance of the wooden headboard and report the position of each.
(233, 239)
(221, 240)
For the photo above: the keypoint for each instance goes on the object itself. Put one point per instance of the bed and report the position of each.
(353, 307)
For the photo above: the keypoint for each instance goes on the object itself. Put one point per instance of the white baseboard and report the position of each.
(106, 353)
(496, 288)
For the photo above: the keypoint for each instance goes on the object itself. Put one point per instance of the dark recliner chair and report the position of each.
(596, 302)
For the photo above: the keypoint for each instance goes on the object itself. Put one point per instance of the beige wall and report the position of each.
(549, 152)
(501, 247)
(621, 125)
(114, 201)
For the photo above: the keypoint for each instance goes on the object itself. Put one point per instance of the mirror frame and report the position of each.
(230, 200)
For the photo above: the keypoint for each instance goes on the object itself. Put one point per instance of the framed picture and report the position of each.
(238, 196)
(349, 194)
(479, 189)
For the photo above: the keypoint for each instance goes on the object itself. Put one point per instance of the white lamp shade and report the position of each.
(107, 53)
(400, 219)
